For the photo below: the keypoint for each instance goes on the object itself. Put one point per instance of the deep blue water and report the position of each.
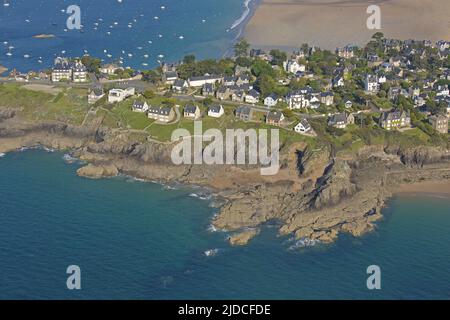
(136, 240)
(204, 24)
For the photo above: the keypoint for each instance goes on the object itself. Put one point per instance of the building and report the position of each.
(164, 114)
(298, 99)
(292, 66)
(192, 112)
(208, 89)
(303, 127)
(216, 111)
(95, 94)
(346, 52)
(439, 123)
(118, 95)
(140, 106)
(110, 69)
(244, 113)
(252, 96)
(65, 70)
(170, 77)
(199, 82)
(371, 84)
(62, 70)
(341, 120)
(338, 81)
(223, 93)
(327, 98)
(271, 100)
(275, 118)
(395, 119)
(180, 85)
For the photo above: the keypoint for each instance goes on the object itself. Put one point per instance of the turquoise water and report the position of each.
(206, 28)
(137, 240)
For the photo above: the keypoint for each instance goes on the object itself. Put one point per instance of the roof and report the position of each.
(305, 124)
(253, 93)
(215, 108)
(274, 96)
(210, 77)
(179, 83)
(394, 115)
(190, 108)
(275, 116)
(339, 117)
(243, 110)
(139, 104)
(171, 74)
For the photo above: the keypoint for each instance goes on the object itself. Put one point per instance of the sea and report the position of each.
(133, 239)
(138, 33)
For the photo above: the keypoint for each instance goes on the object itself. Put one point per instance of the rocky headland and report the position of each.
(316, 195)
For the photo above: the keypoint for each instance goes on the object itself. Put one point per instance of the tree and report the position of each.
(378, 36)
(278, 57)
(189, 59)
(241, 48)
(148, 94)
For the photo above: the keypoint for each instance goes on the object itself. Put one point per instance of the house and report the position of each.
(442, 90)
(223, 93)
(242, 80)
(252, 96)
(198, 82)
(238, 96)
(79, 72)
(140, 106)
(338, 81)
(341, 120)
(303, 127)
(208, 89)
(164, 114)
(371, 84)
(109, 69)
(118, 95)
(244, 113)
(95, 94)
(192, 112)
(229, 81)
(346, 52)
(439, 123)
(394, 92)
(292, 66)
(69, 70)
(170, 77)
(395, 119)
(374, 61)
(216, 111)
(327, 98)
(62, 70)
(275, 118)
(180, 85)
(297, 99)
(271, 100)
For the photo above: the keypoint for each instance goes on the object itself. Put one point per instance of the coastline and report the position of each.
(439, 189)
(348, 196)
(332, 23)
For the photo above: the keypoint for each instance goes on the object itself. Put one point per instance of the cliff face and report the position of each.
(314, 196)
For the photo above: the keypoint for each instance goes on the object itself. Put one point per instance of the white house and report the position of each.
(140, 106)
(252, 96)
(118, 95)
(271, 100)
(180, 85)
(110, 69)
(201, 81)
(371, 84)
(303, 127)
(293, 66)
(95, 94)
(216, 111)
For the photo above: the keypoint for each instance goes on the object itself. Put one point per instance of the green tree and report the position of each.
(241, 48)
(189, 59)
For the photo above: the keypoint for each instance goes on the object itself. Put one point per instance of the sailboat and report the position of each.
(5, 3)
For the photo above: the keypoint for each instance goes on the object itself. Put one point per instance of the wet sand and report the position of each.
(437, 188)
(332, 23)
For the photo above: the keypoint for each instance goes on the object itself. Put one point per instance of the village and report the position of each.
(389, 84)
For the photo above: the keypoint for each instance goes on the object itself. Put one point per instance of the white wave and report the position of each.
(303, 243)
(212, 228)
(2, 154)
(211, 252)
(243, 16)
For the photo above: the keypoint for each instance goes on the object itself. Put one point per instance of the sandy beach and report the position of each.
(440, 188)
(332, 23)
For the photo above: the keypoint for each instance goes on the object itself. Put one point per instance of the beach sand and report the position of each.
(441, 188)
(332, 23)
